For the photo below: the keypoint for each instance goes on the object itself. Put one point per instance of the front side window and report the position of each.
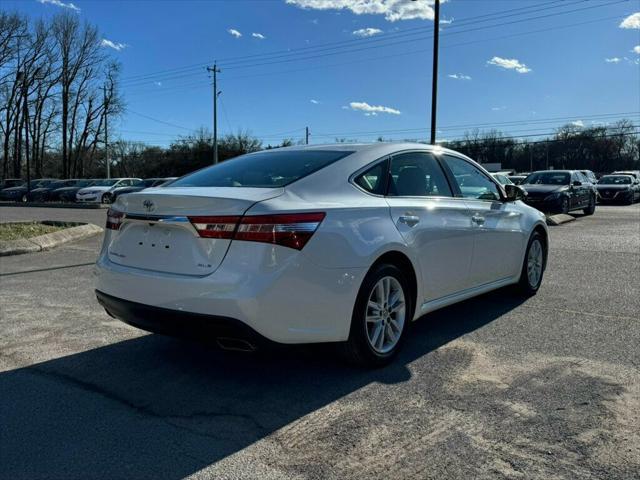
(266, 169)
(417, 174)
(373, 179)
(473, 183)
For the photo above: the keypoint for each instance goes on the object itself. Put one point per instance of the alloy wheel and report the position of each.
(385, 315)
(535, 260)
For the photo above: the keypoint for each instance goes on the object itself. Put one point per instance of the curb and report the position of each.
(85, 206)
(559, 219)
(48, 241)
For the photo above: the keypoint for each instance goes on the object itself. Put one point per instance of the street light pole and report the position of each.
(434, 81)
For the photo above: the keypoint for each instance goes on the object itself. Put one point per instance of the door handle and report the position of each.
(478, 220)
(409, 220)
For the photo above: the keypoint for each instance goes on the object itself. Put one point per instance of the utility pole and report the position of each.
(306, 135)
(434, 81)
(215, 70)
(106, 129)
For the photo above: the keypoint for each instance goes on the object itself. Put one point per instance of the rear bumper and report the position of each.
(272, 290)
(179, 324)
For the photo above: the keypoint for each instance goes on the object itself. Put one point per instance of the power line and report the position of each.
(290, 55)
(200, 84)
(336, 43)
(486, 125)
(493, 125)
(313, 57)
(159, 121)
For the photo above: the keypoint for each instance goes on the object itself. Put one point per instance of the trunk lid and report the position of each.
(156, 233)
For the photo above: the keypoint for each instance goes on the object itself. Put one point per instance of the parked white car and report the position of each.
(341, 243)
(96, 192)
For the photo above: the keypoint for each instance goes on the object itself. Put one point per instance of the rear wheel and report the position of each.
(106, 198)
(533, 267)
(590, 210)
(381, 315)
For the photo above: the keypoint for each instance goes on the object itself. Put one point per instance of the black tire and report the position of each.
(591, 209)
(357, 349)
(524, 286)
(630, 200)
(106, 198)
(564, 205)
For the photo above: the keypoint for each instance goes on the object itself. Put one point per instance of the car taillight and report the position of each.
(114, 219)
(215, 227)
(290, 229)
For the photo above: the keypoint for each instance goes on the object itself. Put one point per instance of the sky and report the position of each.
(360, 69)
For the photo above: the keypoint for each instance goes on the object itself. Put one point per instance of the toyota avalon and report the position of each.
(342, 243)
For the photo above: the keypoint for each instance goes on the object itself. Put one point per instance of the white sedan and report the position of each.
(100, 190)
(339, 243)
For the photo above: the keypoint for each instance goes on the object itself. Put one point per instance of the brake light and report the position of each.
(289, 230)
(215, 227)
(114, 219)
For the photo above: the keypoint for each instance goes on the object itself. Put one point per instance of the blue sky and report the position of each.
(366, 66)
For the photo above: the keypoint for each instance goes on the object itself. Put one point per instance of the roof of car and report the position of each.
(361, 147)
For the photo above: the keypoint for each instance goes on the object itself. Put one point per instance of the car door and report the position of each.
(581, 191)
(499, 237)
(435, 224)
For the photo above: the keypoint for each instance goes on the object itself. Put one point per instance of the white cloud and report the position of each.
(58, 3)
(632, 21)
(157, 84)
(497, 109)
(315, 102)
(578, 123)
(115, 45)
(393, 10)
(259, 36)
(371, 110)
(459, 76)
(509, 64)
(636, 49)
(234, 32)
(613, 60)
(366, 32)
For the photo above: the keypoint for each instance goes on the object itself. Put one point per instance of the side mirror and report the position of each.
(515, 192)
(577, 183)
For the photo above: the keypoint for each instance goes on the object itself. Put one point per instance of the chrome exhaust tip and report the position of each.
(235, 344)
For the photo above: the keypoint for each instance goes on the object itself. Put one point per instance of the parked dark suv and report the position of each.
(560, 191)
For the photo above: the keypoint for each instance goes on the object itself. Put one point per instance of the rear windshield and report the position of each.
(266, 169)
(548, 178)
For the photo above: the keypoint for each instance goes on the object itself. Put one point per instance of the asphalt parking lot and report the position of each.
(495, 387)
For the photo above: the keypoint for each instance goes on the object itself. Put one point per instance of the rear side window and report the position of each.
(417, 174)
(266, 169)
(373, 179)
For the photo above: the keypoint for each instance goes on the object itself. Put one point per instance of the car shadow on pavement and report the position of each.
(154, 407)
